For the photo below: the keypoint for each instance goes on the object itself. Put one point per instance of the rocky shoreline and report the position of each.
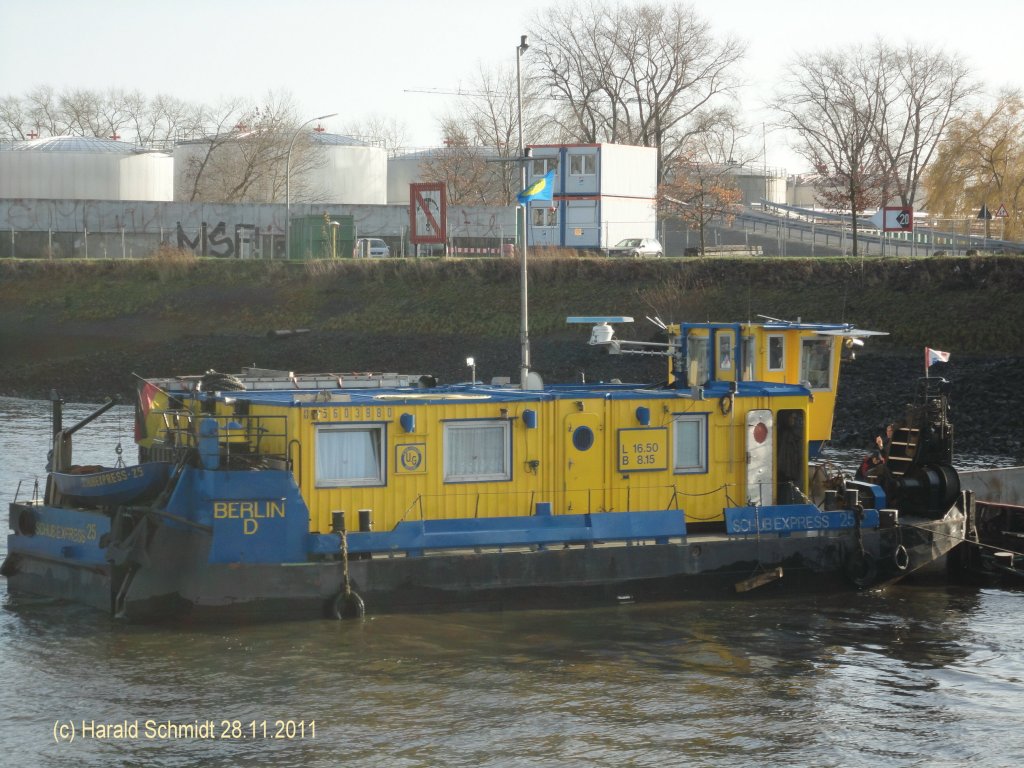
(874, 388)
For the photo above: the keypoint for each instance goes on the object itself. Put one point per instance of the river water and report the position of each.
(921, 674)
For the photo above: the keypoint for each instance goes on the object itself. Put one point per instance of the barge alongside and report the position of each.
(281, 496)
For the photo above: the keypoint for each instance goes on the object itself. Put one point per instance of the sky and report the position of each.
(393, 57)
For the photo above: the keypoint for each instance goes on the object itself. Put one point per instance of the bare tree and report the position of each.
(464, 169)
(243, 156)
(924, 89)
(634, 74)
(833, 100)
(487, 118)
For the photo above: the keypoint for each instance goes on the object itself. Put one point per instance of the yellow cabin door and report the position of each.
(583, 476)
(760, 483)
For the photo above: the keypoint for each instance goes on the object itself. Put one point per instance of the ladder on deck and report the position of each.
(903, 450)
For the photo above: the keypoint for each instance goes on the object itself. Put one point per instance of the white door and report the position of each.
(760, 434)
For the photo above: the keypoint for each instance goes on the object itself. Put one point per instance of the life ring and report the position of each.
(725, 404)
(901, 558)
(347, 606)
(861, 569)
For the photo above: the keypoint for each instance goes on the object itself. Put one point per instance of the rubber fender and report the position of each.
(861, 569)
(347, 606)
(25, 524)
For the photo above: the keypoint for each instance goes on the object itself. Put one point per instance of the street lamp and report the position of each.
(287, 185)
(524, 331)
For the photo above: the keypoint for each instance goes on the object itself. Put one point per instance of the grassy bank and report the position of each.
(177, 315)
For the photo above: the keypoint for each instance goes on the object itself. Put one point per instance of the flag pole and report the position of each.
(926, 362)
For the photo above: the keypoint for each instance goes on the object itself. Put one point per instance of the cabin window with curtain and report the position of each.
(349, 455)
(816, 363)
(776, 353)
(477, 451)
(690, 444)
(582, 165)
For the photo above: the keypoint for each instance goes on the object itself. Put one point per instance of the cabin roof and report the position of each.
(481, 393)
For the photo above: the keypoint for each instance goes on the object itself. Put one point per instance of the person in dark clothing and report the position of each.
(872, 468)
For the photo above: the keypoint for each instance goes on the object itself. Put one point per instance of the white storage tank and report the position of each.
(343, 171)
(84, 168)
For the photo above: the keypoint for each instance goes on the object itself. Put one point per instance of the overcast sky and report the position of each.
(358, 58)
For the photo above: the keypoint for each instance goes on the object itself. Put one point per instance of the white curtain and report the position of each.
(348, 456)
(476, 452)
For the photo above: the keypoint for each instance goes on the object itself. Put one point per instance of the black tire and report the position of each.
(347, 606)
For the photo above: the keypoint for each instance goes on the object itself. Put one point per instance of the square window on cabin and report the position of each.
(541, 165)
(689, 437)
(477, 451)
(582, 165)
(816, 363)
(349, 456)
(776, 353)
(543, 217)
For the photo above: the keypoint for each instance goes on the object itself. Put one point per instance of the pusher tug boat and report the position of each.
(269, 495)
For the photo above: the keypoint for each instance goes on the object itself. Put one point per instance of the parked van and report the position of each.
(371, 247)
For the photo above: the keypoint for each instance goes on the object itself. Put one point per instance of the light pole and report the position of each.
(524, 328)
(287, 185)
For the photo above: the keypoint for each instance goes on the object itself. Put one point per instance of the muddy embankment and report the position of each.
(84, 328)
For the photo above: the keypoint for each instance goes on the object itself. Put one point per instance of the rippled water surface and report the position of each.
(917, 675)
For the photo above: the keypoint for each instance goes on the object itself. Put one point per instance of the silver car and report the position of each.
(372, 247)
(636, 247)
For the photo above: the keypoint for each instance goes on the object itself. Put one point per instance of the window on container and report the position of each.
(776, 353)
(543, 217)
(477, 451)
(582, 165)
(541, 165)
(349, 455)
(816, 363)
(689, 437)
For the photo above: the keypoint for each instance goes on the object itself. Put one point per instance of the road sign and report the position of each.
(1001, 213)
(894, 219)
(428, 213)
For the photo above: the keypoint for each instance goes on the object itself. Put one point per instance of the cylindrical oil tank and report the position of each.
(84, 168)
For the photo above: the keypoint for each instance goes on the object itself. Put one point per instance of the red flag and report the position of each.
(143, 405)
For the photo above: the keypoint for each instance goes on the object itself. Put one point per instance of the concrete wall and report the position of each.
(98, 228)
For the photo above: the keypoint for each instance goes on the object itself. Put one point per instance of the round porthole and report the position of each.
(583, 438)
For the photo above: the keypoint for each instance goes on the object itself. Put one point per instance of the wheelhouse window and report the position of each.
(748, 358)
(477, 451)
(697, 360)
(776, 353)
(816, 363)
(582, 165)
(349, 455)
(689, 438)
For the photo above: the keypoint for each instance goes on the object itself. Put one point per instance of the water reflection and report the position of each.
(860, 679)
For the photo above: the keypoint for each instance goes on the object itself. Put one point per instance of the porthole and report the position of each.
(583, 438)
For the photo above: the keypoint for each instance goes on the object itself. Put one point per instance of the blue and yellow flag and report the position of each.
(541, 189)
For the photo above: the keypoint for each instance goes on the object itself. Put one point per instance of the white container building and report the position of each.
(84, 168)
(603, 193)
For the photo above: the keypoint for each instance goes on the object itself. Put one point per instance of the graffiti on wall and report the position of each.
(246, 242)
